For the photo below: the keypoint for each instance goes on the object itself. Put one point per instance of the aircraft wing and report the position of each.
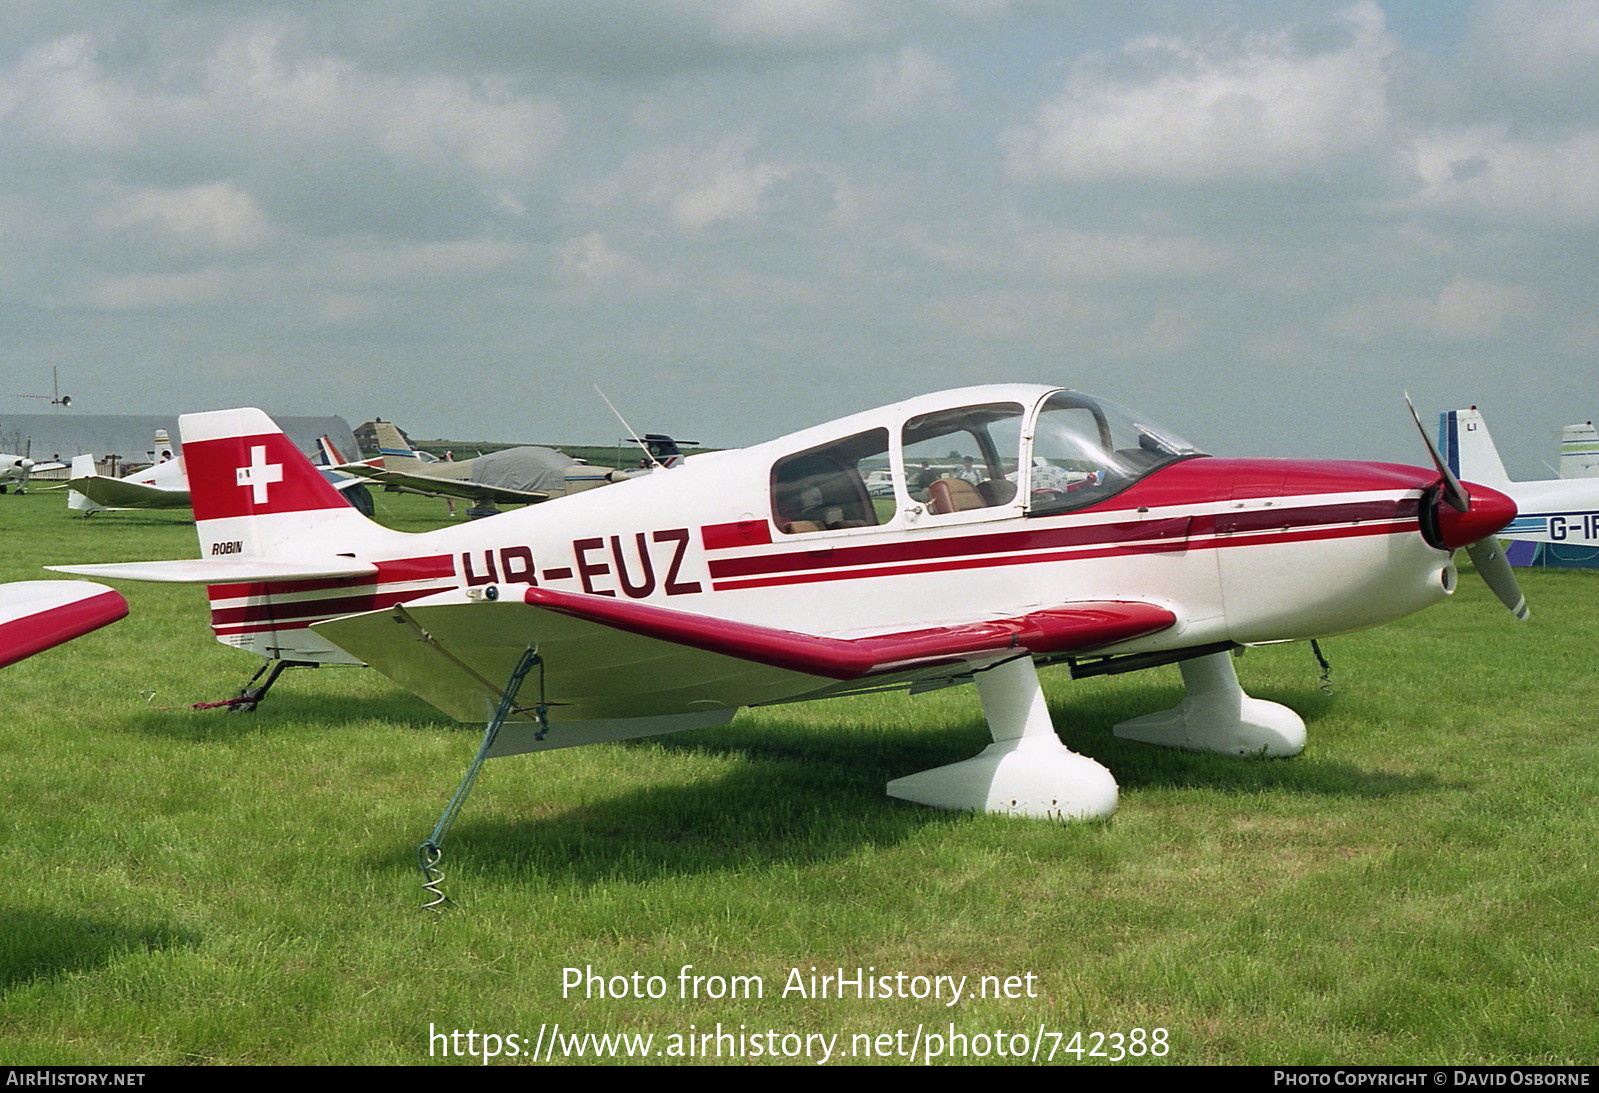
(614, 668)
(35, 615)
(118, 493)
(445, 487)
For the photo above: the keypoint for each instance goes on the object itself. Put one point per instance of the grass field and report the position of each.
(181, 886)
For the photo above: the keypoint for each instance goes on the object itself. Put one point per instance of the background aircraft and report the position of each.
(522, 475)
(16, 469)
(769, 574)
(1562, 512)
(1579, 451)
(36, 615)
(158, 486)
(515, 476)
(164, 485)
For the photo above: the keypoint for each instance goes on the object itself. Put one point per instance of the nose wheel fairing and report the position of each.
(1217, 716)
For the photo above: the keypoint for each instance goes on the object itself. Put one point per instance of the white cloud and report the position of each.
(410, 261)
(496, 133)
(726, 183)
(1067, 255)
(592, 260)
(1268, 108)
(1486, 172)
(147, 291)
(56, 93)
(732, 193)
(904, 85)
(258, 99)
(810, 24)
(213, 214)
(1543, 46)
(1463, 310)
(759, 22)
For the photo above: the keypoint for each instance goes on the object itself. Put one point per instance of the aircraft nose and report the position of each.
(1488, 512)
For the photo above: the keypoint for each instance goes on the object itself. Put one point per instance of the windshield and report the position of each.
(1086, 449)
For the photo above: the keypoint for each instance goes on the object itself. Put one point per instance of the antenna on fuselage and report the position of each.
(647, 453)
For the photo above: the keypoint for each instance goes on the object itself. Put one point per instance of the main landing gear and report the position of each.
(1027, 771)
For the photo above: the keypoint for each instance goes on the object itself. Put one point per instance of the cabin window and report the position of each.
(824, 488)
(963, 459)
(1085, 450)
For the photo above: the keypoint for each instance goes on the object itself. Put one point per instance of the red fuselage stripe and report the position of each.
(326, 608)
(1175, 528)
(823, 564)
(986, 561)
(432, 567)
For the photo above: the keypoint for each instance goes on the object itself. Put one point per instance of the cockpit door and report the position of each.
(960, 465)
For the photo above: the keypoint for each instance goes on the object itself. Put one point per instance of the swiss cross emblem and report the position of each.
(260, 474)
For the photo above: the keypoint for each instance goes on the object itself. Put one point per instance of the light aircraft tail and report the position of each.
(82, 467)
(1463, 438)
(279, 546)
(256, 496)
(1579, 451)
(663, 449)
(392, 443)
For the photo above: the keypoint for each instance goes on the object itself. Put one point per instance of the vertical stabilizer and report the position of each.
(1579, 451)
(1469, 450)
(82, 467)
(391, 442)
(256, 496)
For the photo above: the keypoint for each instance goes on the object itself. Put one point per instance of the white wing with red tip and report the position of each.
(35, 615)
(614, 669)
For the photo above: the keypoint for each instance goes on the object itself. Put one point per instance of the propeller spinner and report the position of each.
(1459, 519)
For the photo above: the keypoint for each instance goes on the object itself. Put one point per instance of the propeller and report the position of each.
(1473, 526)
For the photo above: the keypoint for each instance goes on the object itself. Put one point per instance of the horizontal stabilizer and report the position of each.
(223, 570)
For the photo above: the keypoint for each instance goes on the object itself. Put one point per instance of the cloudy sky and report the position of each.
(1260, 221)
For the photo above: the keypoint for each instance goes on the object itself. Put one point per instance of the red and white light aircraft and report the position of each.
(1074, 533)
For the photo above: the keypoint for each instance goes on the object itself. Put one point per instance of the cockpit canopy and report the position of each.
(1046, 455)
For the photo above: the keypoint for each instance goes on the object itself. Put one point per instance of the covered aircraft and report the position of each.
(515, 476)
(1091, 539)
